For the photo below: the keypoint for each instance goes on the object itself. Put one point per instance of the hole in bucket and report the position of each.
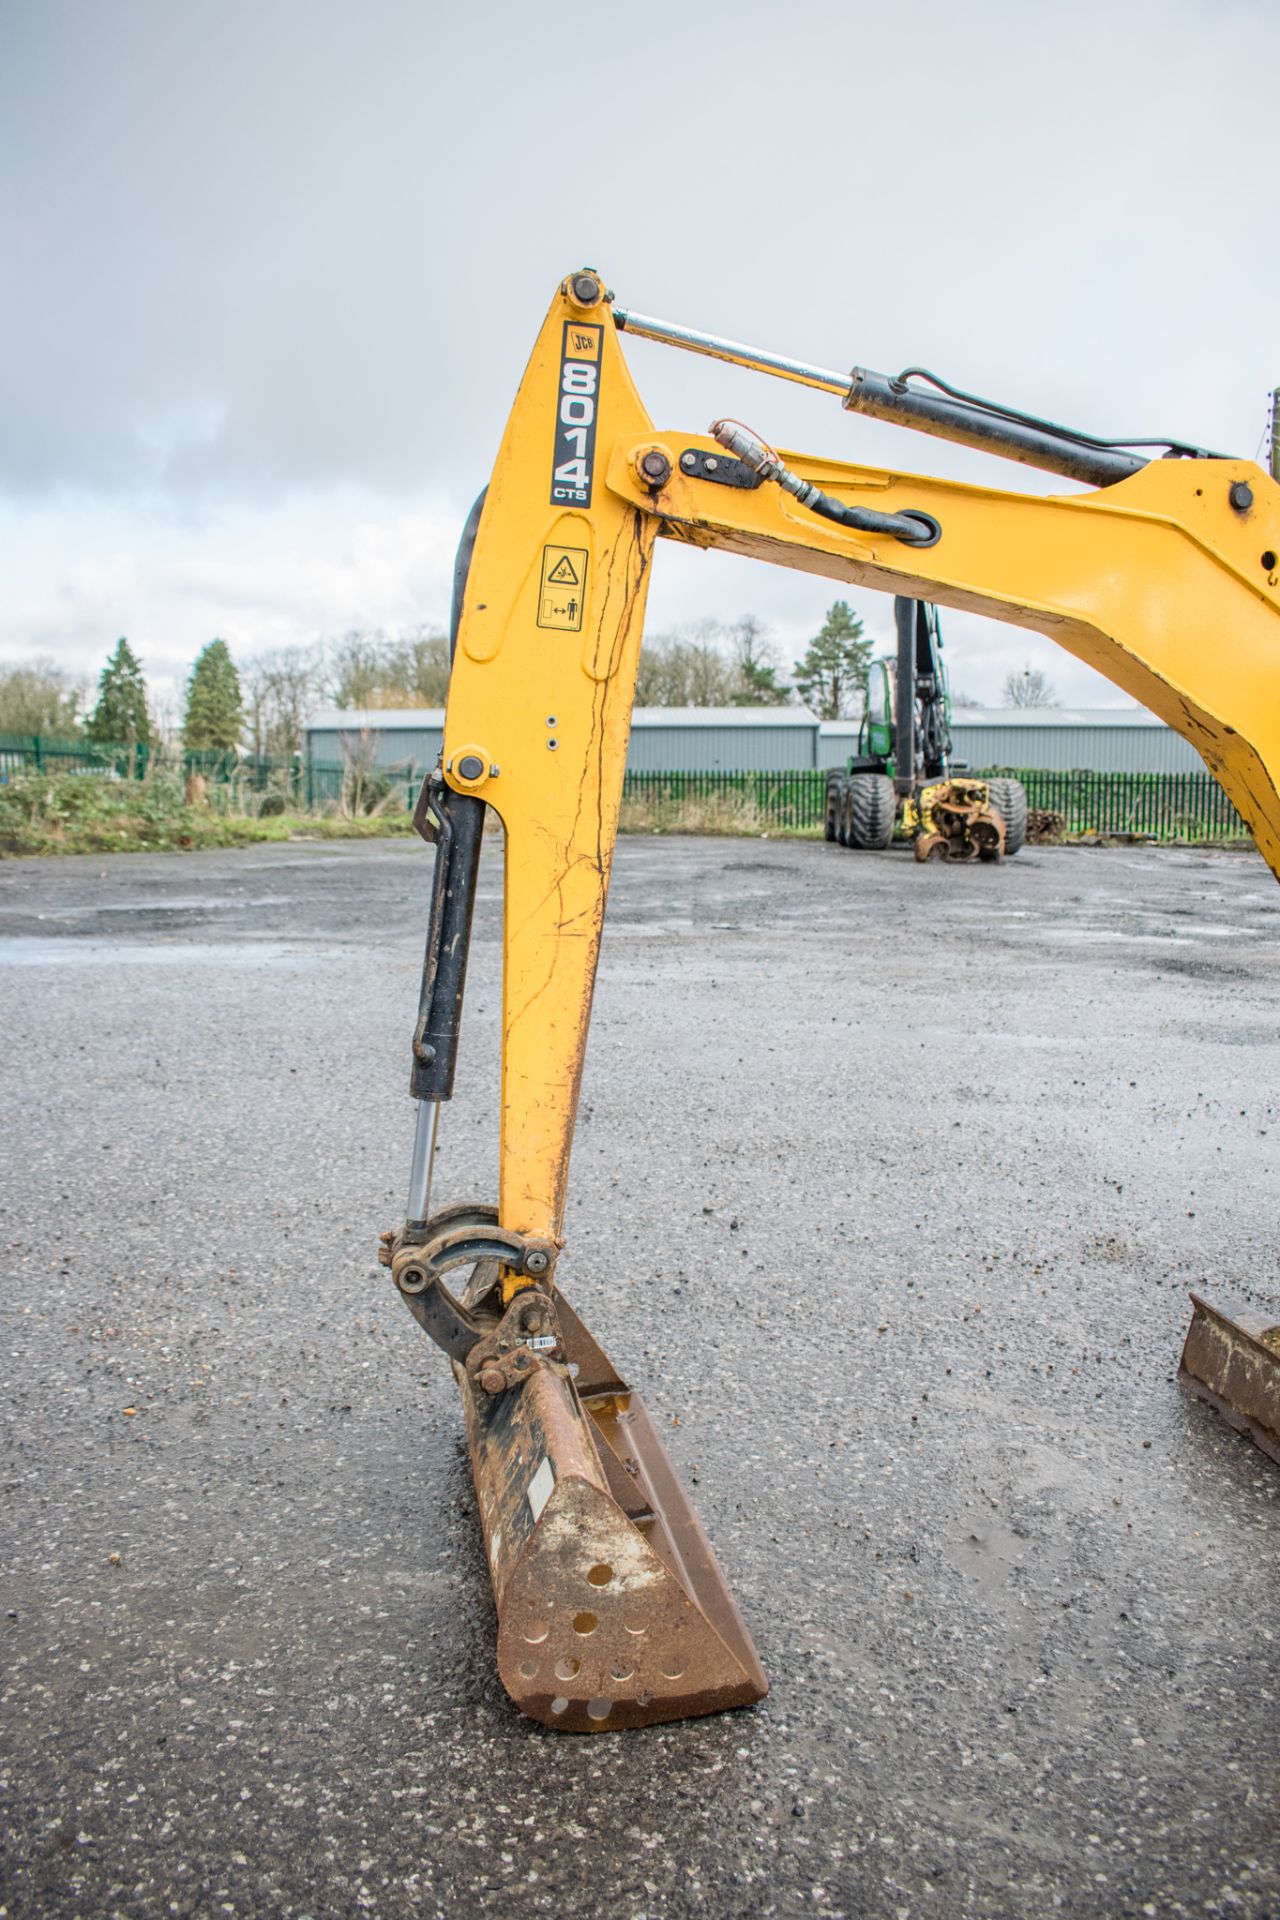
(585, 1623)
(620, 1671)
(600, 1576)
(567, 1669)
(535, 1631)
(598, 1709)
(635, 1626)
(674, 1669)
(559, 1704)
(528, 1669)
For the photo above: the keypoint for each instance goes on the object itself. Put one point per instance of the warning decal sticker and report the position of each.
(574, 455)
(562, 588)
(541, 1488)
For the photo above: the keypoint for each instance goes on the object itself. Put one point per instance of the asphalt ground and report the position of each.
(889, 1187)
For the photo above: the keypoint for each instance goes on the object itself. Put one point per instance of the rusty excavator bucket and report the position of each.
(1232, 1360)
(612, 1610)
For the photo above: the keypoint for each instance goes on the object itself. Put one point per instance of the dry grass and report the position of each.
(728, 812)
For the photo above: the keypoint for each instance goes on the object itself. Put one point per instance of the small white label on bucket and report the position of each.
(541, 1488)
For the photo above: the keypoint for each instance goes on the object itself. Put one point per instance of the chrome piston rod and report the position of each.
(1013, 437)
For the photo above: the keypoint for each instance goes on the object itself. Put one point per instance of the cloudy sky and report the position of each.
(273, 270)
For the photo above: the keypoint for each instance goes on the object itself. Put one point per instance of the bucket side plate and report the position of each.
(612, 1609)
(1233, 1362)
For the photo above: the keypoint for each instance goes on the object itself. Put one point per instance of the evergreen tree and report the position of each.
(215, 705)
(832, 677)
(121, 717)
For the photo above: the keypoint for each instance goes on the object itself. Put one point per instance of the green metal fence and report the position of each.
(48, 754)
(1166, 806)
(233, 779)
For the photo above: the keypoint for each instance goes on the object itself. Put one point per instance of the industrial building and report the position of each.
(663, 739)
(1064, 739)
(782, 739)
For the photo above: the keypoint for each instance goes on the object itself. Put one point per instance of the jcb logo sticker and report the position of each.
(575, 446)
(563, 585)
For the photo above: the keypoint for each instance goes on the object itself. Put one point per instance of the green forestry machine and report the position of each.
(902, 774)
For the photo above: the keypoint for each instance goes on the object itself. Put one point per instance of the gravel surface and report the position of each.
(889, 1187)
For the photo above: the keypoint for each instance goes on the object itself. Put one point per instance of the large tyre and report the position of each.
(1009, 798)
(870, 809)
(831, 821)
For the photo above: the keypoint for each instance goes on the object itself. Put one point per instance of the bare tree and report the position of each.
(369, 668)
(353, 669)
(280, 690)
(39, 697)
(1030, 688)
(755, 665)
(419, 663)
(706, 664)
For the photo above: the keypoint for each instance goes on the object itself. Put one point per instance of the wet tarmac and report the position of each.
(889, 1187)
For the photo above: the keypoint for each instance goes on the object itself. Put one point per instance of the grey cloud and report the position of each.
(265, 248)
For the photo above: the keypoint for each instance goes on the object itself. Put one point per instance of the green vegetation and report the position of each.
(215, 707)
(98, 812)
(121, 711)
(94, 813)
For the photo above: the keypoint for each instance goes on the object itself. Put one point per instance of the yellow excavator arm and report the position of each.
(1164, 578)
(1161, 582)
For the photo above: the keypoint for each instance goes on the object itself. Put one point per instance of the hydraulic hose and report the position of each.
(911, 528)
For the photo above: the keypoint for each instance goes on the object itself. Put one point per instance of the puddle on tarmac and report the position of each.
(39, 952)
(1102, 936)
(176, 904)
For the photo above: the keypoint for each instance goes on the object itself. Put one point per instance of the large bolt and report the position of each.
(537, 1261)
(654, 467)
(585, 289)
(493, 1379)
(470, 767)
(1241, 496)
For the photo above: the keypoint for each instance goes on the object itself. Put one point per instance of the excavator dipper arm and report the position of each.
(611, 1609)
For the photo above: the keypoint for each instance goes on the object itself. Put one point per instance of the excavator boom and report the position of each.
(1165, 578)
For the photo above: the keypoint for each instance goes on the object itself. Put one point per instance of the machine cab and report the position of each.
(878, 726)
